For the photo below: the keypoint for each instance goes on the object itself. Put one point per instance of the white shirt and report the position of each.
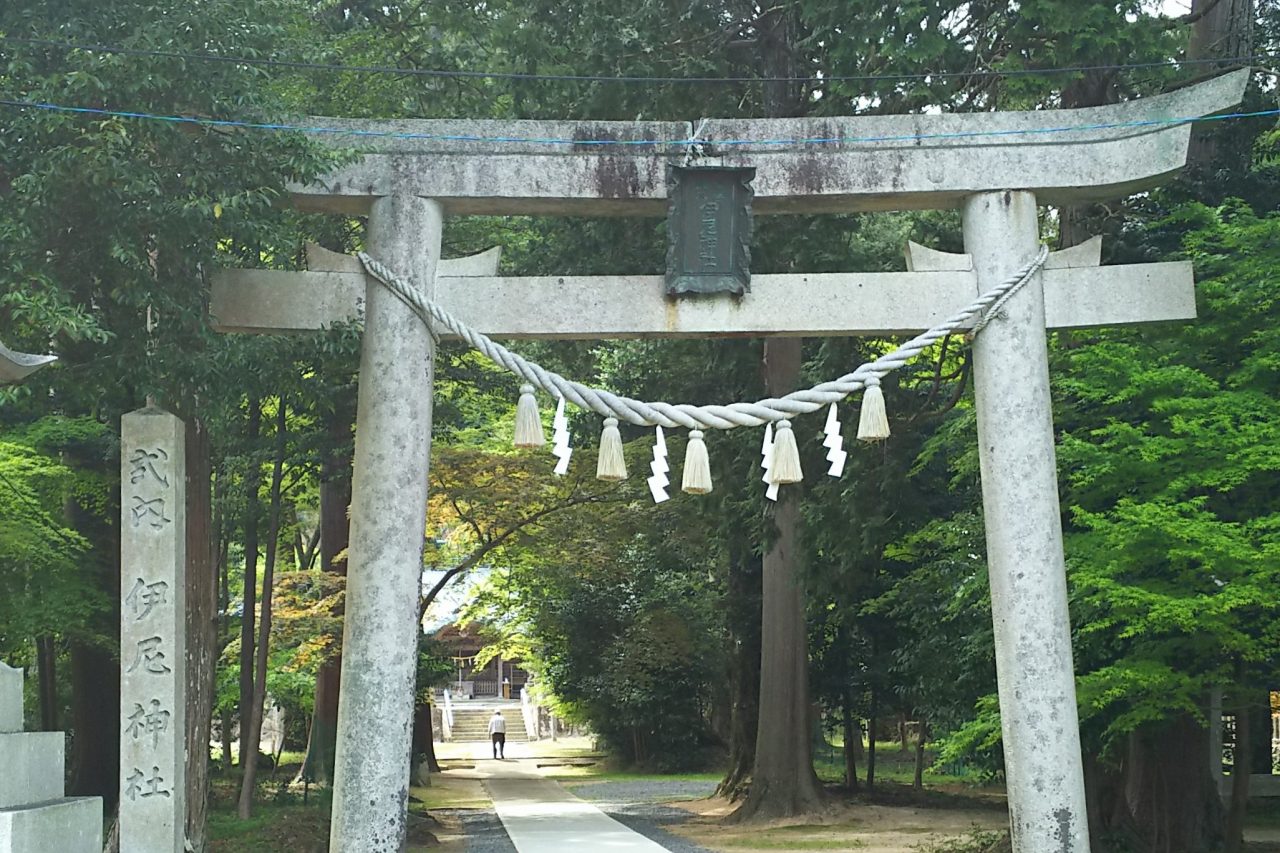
(497, 725)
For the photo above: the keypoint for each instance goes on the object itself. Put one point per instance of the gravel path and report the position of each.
(484, 832)
(642, 791)
(636, 805)
(648, 820)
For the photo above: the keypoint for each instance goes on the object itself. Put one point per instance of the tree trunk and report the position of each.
(921, 735)
(1224, 31)
(742, 601)
(1241, 770)
(252, 484)
(46, 668)
(254, 732)
(202, 615)
(424, 750)
(852, 740)
(95, 703)
(902, 731)
(1093, 89)
(224, 603)
(1162, 798)
(335, 535)
(783, 783)
(872, 723)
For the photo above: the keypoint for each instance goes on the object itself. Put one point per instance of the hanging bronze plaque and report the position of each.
(709, 226)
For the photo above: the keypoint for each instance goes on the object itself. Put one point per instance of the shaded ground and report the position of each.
(674, 811)
(873, 827)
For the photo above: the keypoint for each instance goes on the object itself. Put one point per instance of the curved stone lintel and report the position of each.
(902, 162)
(16, 366)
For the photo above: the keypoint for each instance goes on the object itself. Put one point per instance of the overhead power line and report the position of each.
(301, 65)
(568, 143)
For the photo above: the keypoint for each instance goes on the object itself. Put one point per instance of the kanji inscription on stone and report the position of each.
(152, 632)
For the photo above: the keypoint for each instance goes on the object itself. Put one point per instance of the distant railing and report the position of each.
(530, 712)
(446, 717)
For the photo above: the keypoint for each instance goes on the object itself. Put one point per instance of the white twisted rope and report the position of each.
(769, 410)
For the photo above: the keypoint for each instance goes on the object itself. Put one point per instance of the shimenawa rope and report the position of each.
(770, 410)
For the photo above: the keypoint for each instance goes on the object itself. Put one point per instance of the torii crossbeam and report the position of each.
(994, 166)
(16, 366)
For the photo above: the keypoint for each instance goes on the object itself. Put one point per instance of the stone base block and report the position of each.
(32, 764)
(70, 825)
(10, 699)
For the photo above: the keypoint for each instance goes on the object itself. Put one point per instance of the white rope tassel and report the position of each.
(766, 462)
(730, 416)
(697, 465)
(873, 423)
(612, 465)
(528, 421)
(560, 440)
(658, 482)
(834, 442)
(784, 467)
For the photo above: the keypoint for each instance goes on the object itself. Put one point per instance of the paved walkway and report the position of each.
(540, 816)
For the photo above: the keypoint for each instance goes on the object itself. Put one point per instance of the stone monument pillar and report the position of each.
(35, 815)
(1034, 670)
(152, 632)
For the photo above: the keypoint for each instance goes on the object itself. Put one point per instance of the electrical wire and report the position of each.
(633, 143)
(302, 65)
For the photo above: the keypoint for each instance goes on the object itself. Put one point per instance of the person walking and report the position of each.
(498, 734)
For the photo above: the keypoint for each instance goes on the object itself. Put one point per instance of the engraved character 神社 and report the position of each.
(143, 722)
(145, 596)
(149, 657)
(135, 786)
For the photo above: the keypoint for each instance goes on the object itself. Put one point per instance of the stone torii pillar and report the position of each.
(994, 166)
(1034, 668)
(388, 518)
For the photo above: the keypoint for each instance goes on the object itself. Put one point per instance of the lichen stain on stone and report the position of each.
(807, 175)
(617, 174)
(1064, 818)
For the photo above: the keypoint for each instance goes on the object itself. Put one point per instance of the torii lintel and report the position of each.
(1078, 294)
(873, 162)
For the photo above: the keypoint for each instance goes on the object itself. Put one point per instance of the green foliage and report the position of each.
(1170, 458)
(45, 563)
(635, 657)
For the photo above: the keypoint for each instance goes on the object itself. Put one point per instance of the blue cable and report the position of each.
(672, 143)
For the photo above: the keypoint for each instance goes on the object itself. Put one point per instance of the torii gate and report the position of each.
(996, 167)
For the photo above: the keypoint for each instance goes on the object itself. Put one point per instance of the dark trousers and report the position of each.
(499, 743)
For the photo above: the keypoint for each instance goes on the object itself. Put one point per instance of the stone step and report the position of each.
(63, 825)
(32, 770)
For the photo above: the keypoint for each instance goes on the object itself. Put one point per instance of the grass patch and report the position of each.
(273, 826)
(977, 841)
(892, 765)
